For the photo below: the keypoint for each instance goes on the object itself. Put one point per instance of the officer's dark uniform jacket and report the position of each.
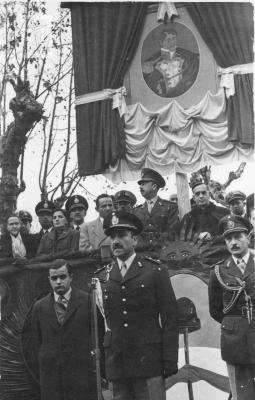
(228, 288)
(137, 344)
(162, 219)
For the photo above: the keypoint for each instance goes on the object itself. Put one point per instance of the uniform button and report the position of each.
(123, 299)
(123, 287)
(126, 325)
(142, 285)
(124, 312)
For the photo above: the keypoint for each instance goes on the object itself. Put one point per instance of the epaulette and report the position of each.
(154, 260)
(217, 263)
(100, 270)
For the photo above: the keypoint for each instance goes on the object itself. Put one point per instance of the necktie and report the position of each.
(150, 206)
(123, 269)
(241, 265)
(77, 228)
(46, 232)
(60, 306)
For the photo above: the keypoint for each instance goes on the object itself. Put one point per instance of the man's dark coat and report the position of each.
(6, 245)
(237, 336)
(197, 221)
(63, 352)
(137, 344)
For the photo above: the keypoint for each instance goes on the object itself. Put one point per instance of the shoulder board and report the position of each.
(153, 260)
(100, 270)
(140, 205)
(217, 263)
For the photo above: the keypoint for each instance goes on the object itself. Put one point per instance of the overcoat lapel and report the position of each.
(52, 317)
(73, 304)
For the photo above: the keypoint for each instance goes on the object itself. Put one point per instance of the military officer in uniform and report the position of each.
(124, 200)
(236, 202)
(232, 303)
(77, 207)
(44, 211)
(139, 306)
(159, 217)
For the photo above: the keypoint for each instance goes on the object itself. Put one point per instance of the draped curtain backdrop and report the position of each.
(227, 29)
(105, 38)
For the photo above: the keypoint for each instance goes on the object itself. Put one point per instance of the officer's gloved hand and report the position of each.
(170, 368)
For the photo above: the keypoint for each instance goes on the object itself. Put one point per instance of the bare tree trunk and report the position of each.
(26, 111)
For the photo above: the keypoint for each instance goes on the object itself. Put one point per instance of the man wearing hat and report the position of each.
(159, 217)
(232, 303)
(201, 223)
(124, 200)
(77, 207)
(44, 210)
(139, 350)
(236, 202)
(26, 221)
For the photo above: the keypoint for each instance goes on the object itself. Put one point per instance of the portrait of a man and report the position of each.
(169, 65)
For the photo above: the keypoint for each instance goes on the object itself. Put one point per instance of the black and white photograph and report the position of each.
(127, 215)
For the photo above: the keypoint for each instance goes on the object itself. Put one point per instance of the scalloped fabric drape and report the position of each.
(228, 30)
(175, 139)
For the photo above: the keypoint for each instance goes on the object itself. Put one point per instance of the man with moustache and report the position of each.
(141, 340)
(61, 323)
(232, 304)
(77, 207)
(159, 217)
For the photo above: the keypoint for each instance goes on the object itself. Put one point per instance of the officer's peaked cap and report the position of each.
(125, 195)
(44, 205)
(76, 201)
(234, 195)
(122, 219)
(25, 216)
(149, 175)
(234, 223)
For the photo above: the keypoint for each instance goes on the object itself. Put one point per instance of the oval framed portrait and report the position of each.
(170, 60)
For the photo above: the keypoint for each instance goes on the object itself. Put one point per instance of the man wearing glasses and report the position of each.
(201, 223)
(61, 334)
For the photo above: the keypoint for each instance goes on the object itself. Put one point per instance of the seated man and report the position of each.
(92, 235)
(14, 243)
(201, 223)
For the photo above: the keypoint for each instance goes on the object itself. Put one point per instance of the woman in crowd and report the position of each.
(61, 240)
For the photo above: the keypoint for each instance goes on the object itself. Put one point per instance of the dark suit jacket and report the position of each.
(63, 352)
(137, 345)
(6, 245)
(237, 336)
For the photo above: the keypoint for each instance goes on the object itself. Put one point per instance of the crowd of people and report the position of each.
(137, 308)
(65, 231)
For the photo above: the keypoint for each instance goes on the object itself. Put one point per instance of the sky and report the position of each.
(31, 196)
